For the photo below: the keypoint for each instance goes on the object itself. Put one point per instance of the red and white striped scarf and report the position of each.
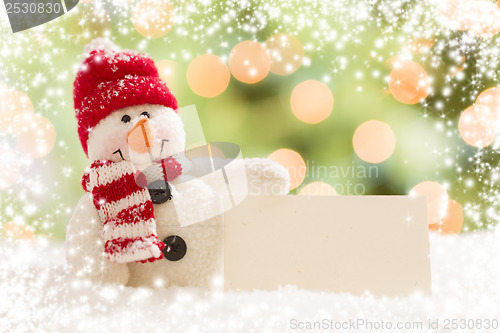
(125, 208)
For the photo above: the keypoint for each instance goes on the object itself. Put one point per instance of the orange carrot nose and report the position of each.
(140, 138)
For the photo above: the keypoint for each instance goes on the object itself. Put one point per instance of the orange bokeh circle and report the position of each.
(249, 62)
(208, 75)
(17, 231)
(489, 116)
(408, 81)
(36, 137)
(311, 101)
(286, 53)
(153, 18)
(472, 131)
(480, 17)
(293, 162)
(14, 106)
(453, 222)
(374, 141)
(437, 199)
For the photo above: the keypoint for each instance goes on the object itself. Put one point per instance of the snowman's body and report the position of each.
(202, 265)
(203, 260)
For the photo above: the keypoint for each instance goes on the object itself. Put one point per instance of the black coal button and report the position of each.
(175, 248)
(159, 190)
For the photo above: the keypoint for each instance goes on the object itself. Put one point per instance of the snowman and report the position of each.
(127, 227)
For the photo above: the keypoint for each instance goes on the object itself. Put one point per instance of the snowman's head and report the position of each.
(124, 110)
(139, 133)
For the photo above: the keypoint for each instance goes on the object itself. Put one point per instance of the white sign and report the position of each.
(336, 243)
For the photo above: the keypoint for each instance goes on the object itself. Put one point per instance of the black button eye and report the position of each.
(145, 113)
(126, 118)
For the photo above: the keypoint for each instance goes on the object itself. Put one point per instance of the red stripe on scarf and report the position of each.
(107, 193)
(135, 214)
(85, 181)
(100, 163)
(117, 245)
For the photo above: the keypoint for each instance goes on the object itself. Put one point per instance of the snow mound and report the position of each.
(36, 294)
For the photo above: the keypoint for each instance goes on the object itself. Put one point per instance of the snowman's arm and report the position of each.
(84, 247)
(264, 177)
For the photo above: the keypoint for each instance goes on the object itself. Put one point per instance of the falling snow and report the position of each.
(37, 294)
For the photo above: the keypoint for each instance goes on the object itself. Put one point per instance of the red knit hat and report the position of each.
(111, 80)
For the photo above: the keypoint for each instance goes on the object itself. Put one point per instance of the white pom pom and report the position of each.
(99, 44)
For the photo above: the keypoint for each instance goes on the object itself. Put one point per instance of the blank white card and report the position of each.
(349, 244)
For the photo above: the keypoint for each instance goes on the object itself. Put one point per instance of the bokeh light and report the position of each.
(169, 72)
(286, 53)
(36, 136)
(437, 199)
(472, 131)
(374, 141)
(480, 17)
(452, 222)
(208, 76)
(317, 188)
(293, 162)
(9, 167)
(249, 62)
(311, 101)
(17, 231)
(489, 115)
(13, 106)
(408, 81)
(153, 18)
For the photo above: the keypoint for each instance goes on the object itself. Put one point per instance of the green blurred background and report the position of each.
(41, 62)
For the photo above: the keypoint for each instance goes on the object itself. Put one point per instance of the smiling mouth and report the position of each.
(120, 152)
